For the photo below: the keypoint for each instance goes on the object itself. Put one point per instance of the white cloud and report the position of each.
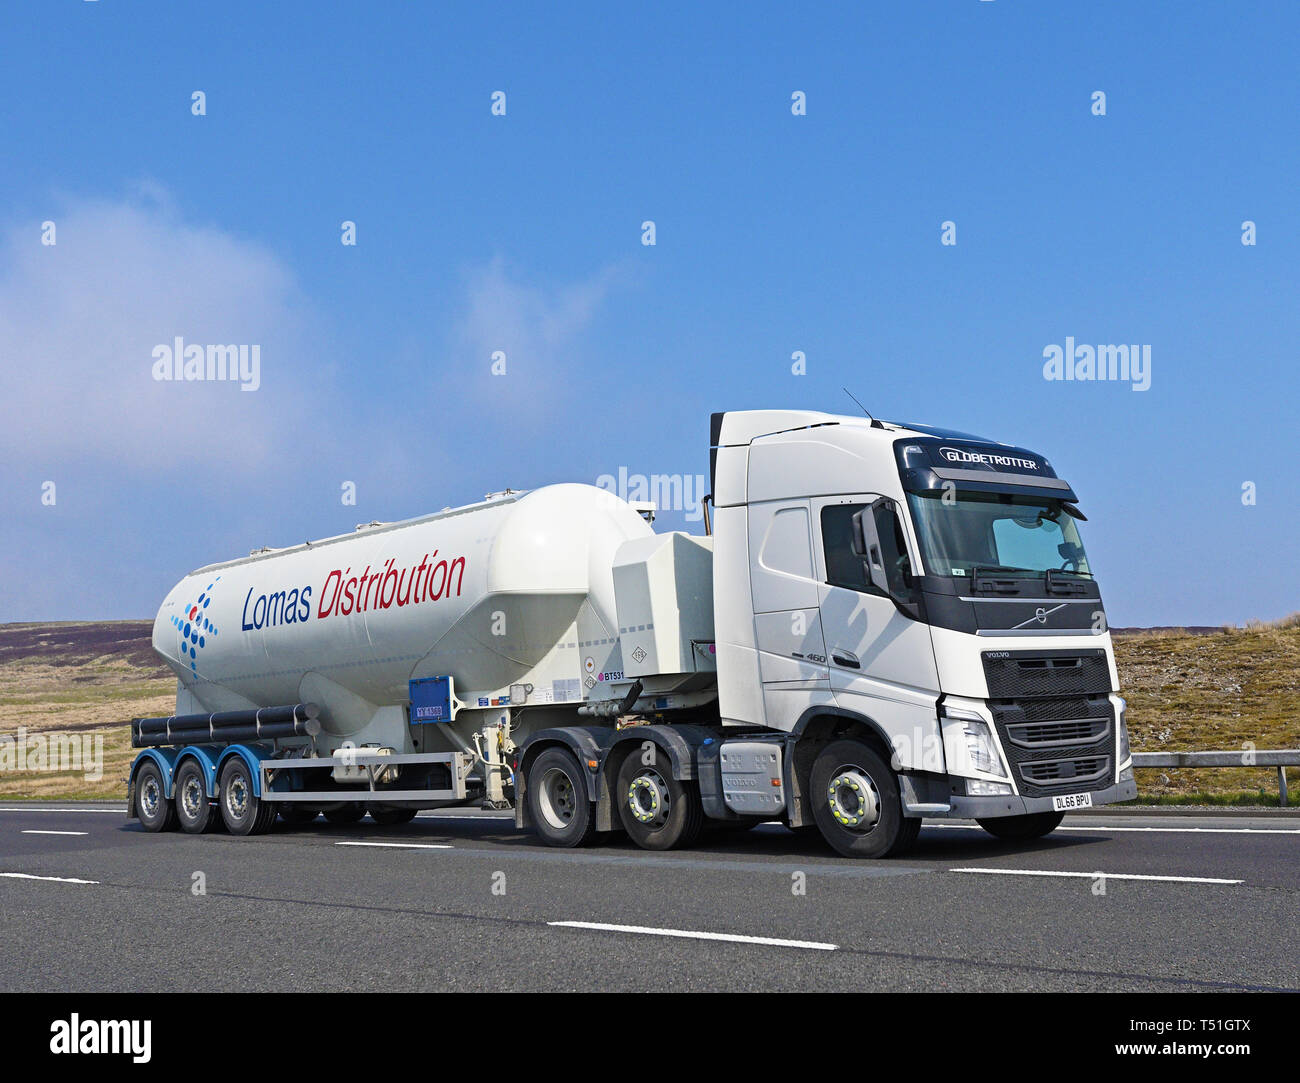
(79, 321)
(534, 324)
(541, 331)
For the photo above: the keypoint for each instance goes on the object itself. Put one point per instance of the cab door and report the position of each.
(787, 624)
(880, 661)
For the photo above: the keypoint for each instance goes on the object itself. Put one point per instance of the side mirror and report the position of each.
(866, 544)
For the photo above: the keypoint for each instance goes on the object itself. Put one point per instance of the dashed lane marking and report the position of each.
(33, 831)
(688, 934)
(55, 879)
(1106, 875)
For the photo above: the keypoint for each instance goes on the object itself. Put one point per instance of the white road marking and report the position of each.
(1106, 875)
(119, 811)
(56, 879)
(401, 845)
(1162, 830)
(33, 831)
(734, 938)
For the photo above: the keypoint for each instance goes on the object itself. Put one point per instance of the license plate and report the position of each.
(1069, 801)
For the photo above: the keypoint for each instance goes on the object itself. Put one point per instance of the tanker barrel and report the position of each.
(263, 723)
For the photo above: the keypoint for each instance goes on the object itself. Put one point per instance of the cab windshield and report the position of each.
(996, 532)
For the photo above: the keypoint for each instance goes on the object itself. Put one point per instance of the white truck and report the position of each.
(883, 623)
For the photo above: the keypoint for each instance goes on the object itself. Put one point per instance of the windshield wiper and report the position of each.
(985, 577)
(1069, 586)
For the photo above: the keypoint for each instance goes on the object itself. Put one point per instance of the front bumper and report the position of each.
(987, 808)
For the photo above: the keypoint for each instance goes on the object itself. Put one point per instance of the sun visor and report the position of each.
(930, 464)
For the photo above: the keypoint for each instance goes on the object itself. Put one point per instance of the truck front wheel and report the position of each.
(156, 813)
(558, 800)
(855, 801)
(1021, 828)
(658, 811)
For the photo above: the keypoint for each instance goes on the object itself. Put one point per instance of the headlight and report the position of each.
(1124, 753)
(981, 750)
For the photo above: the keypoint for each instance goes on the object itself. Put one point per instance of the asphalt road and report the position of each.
(461, 900)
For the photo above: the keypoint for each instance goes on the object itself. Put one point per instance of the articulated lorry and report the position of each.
(883, 623)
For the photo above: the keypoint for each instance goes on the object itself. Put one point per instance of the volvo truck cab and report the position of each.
(915, 608)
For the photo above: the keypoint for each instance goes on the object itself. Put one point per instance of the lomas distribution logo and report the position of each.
(195, 627)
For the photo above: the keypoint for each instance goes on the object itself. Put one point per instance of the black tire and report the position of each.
(268, 815)
(1022, 828)
(154, 810)
(659, 812)
(389, 816)
(559, 802)
(242, 811)
(194, 809)
(855, 802)
(294, 814)
(345, 814)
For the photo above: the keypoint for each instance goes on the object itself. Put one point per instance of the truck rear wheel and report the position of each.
(658, 811)
(242, 811)
(193, 808)
(855, 801)
(387, 815)
(558, 801)
(155, 812)
(345, 814)
(1021, 828)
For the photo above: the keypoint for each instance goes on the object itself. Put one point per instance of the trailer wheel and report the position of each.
(558, 800)
(856, 805)
(193, 807)
(295, 815)
(155, 812)
(387, 815)
(659, 812)
(1022, 828)
(345, 814)
(242, 811)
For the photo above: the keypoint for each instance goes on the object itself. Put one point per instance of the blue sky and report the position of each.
(775, 233)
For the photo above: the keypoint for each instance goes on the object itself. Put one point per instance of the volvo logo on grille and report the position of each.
(1041, 615)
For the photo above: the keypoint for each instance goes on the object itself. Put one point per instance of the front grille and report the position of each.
(1051, 772)
(1038, 734)
(1021, 674)
(1053, 714)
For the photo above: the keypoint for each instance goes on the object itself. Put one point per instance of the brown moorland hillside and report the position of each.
(1187, 690)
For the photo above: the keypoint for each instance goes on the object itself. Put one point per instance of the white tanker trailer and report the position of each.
(886, 623)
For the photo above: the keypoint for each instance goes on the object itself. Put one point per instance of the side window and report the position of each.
(785, 548)
(843, 568)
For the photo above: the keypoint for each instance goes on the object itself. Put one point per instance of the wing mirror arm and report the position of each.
(866, 545)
